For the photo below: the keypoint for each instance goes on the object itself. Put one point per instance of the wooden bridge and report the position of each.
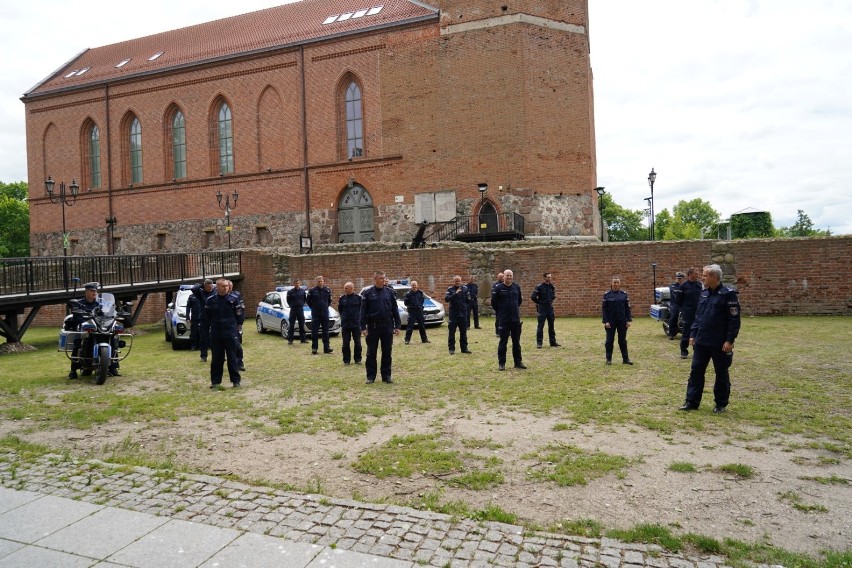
(33, 282)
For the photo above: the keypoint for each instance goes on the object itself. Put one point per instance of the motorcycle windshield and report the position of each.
(107, 302)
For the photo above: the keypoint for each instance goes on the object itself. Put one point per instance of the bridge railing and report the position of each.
(49, 274)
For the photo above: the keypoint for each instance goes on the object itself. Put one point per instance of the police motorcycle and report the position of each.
(661, 309)
(101, 335)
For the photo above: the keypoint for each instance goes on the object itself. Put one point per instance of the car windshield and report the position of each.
(182, 297)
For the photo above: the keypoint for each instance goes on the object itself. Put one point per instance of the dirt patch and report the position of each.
(707, 501)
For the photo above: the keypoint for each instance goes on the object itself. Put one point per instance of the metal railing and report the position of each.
(56, 273)
(507, 223)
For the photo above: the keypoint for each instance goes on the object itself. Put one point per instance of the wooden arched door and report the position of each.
(355, 216)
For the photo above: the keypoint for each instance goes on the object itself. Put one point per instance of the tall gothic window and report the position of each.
(178, 146)
(226, 140)
(354, 122)
(93, 152)
(135, 151)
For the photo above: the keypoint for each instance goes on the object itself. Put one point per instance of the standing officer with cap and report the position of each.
(616, 317)
(414, 299)
(296, 301)
(473, 306)
(379, 323)
(690, 292)
(203, 292)
(712, 336)
(500, 277)
(675, 299)
(459, 300)
(319, 300)
(543, 297)
(224, 313)
(240, 364)
(506, 298)
(349, 306)
(85, 308)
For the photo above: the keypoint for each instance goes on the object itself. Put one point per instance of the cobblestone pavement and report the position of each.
(389, 531)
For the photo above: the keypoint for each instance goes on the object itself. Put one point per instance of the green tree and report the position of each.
(14, 220)
(754, 225)
(662, 222)
(688, 220)
(803, 227)
(622, 224)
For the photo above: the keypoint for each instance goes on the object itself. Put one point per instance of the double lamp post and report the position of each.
(227, 206)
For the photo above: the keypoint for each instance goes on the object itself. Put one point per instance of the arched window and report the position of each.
(178, 128)
(354, 121)
(225, 135)
(135, 151)
(355, 216)
(93, 156)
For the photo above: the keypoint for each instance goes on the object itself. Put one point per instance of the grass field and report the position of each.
(792, 379)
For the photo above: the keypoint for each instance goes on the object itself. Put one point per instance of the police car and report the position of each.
(273, 314)
(433, 312)
(174, 322)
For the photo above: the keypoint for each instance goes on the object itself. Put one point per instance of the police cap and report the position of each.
(679, 274)
(92, 286)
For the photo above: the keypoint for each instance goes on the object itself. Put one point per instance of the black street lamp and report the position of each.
(649, 211)
(652, 177)
(227, 209)
(64, 200)
(601, 192)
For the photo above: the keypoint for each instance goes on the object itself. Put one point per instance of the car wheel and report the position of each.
(285, 328)
(259, 322)
(168, 335)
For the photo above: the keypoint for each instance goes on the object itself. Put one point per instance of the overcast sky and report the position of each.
(743, 103)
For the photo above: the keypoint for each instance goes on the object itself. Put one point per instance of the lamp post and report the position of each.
(601, 192)
(650, 212)
(652, 177)
(63, 200)
(483, 187)
(227, 207)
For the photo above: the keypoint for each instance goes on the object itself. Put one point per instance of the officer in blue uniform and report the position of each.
(319, 300)
(81, 310)
(240, 364)
(675, 299)
(349, 306)
(458, 299)
(379, 323)
(224, 312)
(414, 300)
(500, 277)
(203, 292)
(296, 301)
(690, 291)
(194, 309)
(473, 306)
(506, 298)
(616, 318)
(543, 297)
(712, 336)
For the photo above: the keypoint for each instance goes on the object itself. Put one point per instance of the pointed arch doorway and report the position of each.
(355, 216)
(487, 218)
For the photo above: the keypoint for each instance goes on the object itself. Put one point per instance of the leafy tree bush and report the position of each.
(14, 220)
(752, 225)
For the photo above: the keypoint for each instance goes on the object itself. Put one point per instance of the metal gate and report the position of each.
(355, 216)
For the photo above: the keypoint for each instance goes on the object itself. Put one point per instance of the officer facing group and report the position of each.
(349, 306)
(319, 300)
(690, 291)
(616, 318)
(413, 301)
(224, 312)
(379, 323)
(296, 300)
(675, 294)
(202, 293)
(473, 305)
(506, 298)
(543, 297)
(459, 300)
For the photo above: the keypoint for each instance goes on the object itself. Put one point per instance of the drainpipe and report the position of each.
(108, 170)
(305, 141)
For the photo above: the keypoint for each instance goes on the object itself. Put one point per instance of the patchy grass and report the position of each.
(737, 470)
(796, 501)
(401, 456)
(568, 465)
(682, 467)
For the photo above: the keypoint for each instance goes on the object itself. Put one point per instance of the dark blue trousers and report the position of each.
(621, 328)
(701, 357)
(461, 324)
(296, 315)
(220, 348)
(415, 317)
(317, 322)
(376, 334)
(545, 314)
(507, 330)
(353, 335)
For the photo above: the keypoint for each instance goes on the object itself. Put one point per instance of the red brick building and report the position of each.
(344, 120)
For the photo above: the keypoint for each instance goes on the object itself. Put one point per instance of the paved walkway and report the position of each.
(64, 513)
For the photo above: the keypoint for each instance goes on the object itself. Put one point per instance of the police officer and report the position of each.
(543, 297)
(616, 317)
(413, 300)
(349, 306)
(712, 335)
(296, 300)
(379, 323)
(458, 298)
(81, 310)
(506, 299)
(473, 306)
(319, 300)
(203, 292)
(690, 291)
(500, 277)
(674, 305)
(240, 364)
(224, 312)
(194, 309)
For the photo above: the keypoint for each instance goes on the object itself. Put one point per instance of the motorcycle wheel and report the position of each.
(103, 364)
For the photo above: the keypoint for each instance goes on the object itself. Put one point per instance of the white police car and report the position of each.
(433, 312)
(273, 314)
(174, 321)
